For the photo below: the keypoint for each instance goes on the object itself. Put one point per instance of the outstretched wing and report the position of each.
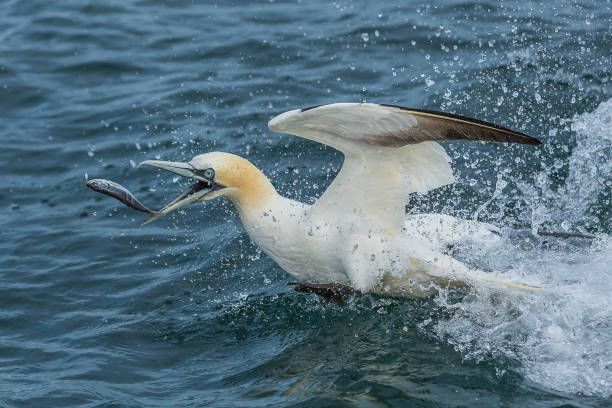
(390, 151)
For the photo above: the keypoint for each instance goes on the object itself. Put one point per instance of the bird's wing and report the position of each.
(390, 151)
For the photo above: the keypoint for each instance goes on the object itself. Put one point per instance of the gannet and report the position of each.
(356, 237)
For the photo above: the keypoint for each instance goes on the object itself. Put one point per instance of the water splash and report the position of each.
(585, 199)
(560, 339)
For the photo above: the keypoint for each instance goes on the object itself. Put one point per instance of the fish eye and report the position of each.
(209, 174)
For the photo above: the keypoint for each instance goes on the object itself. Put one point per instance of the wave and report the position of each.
(561, 339)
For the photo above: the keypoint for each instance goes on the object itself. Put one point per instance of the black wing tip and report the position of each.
(309, 108)
(533, 141)
(521, 138)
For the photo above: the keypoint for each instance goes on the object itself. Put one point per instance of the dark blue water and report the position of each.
(96, 311)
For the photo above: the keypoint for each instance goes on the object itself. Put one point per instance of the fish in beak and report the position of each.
(204, 187)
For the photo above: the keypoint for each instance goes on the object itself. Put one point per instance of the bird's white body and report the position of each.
(406, 262)
(357, 232)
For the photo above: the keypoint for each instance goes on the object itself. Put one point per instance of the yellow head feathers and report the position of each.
(244, 183)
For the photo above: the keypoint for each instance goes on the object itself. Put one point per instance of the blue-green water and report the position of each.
(97, 311)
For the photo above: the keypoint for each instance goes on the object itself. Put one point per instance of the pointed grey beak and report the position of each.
(196, 192)
(182, 169)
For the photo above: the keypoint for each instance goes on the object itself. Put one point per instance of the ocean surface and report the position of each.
(96, 311)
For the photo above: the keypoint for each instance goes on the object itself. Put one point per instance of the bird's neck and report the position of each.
(253, 191)
(274, 223)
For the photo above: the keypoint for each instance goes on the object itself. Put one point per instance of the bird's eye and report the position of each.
(209, 174)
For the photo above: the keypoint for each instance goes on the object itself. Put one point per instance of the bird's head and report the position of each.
(216, 174)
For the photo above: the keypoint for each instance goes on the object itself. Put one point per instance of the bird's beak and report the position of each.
(202, 190)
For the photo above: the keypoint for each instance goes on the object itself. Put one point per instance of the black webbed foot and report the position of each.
(330, 291)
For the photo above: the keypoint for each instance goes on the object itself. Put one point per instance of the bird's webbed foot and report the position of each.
(330, 291)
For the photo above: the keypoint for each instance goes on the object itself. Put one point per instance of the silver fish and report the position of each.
(119, 192)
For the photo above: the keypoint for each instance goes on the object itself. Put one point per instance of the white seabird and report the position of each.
(356, 237)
